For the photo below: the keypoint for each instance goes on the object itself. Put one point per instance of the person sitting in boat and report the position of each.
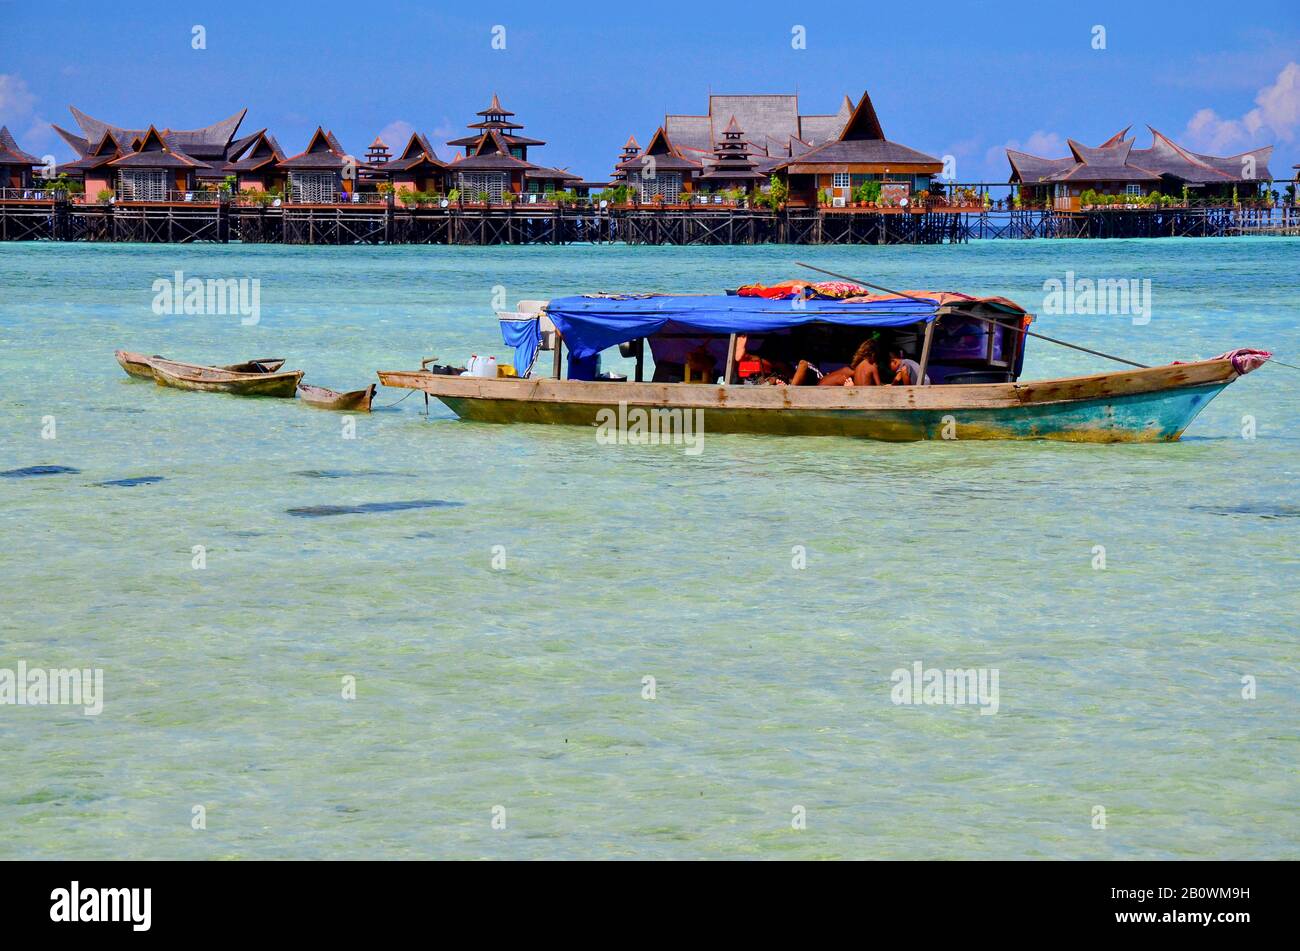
(863, 369)
(751, 366)
(906, 372)
(700, 364)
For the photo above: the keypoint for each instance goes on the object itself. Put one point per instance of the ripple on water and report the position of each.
(29, 471)
(322, 511)
(132, 480)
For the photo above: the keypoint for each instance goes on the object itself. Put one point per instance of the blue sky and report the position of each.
(965, 79)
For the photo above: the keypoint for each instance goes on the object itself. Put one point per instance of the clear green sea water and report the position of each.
(523, 688)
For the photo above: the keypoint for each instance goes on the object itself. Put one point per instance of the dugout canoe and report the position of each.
(357, 401)
(183, 376)
(137, 364)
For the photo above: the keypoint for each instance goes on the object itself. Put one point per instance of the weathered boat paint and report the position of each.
(352, 401)
(213, 380)
(1148, 405)
(138, 365)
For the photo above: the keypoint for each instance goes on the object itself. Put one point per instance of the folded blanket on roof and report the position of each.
(790, 290)
(838, 290)
(785, 290)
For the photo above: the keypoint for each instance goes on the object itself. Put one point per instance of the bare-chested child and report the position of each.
(862, 370)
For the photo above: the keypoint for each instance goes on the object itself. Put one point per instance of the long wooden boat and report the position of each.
(182, 376)
(357, 401)
(981, 341)
(137, 364)
(1149, 405)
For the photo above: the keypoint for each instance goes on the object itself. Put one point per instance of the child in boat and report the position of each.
(863, 369)
(906, 372)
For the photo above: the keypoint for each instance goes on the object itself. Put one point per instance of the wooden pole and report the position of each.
(731, 358)
(925, 350)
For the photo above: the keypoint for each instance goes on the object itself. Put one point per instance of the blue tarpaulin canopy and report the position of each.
(592, 324)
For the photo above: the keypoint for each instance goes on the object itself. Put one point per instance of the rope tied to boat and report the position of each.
(389, 405)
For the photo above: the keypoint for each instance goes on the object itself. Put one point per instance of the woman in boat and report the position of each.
(906, 372)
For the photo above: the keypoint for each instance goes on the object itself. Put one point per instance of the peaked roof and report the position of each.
(862, 142)
(863, 125)
(262, 151)
(207, 142)
(731, 158)
(155, 151)
(494, 108)
(11, 154)
(103, 152)
(418, 151)
(323, 153)
(773, 123)
(1115, 160)
(666, 156)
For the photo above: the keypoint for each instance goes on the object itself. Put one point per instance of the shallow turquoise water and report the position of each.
(522, 687)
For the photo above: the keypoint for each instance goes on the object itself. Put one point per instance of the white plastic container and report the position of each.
(489, 367)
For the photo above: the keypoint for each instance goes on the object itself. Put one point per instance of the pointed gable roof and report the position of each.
(155, 151)
(863, 124)
(262, 151)
(665, 155)
(418, 152)
(323, 154)
(103, 152)
(11, 154)
(862, 142)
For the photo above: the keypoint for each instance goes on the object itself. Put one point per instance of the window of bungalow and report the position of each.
(143, 184)
(316, 188)
(1132, 189)
(841, 180)
(669, 185)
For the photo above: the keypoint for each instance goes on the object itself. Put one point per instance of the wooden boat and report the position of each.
(1149, 405)
(137, 364)
(1143, 404)
(183, 376)
(357, 401)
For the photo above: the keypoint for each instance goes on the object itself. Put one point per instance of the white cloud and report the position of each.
(16, 100)
(1276, 112)
(1046, 144)
(396, 134)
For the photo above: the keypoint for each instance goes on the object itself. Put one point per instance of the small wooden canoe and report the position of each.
(137, 364)
(183, 376)
(357, 401)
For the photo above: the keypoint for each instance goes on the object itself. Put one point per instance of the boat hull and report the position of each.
(140, 366)
(214, 380)
(355, 401)
(1148, 405)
